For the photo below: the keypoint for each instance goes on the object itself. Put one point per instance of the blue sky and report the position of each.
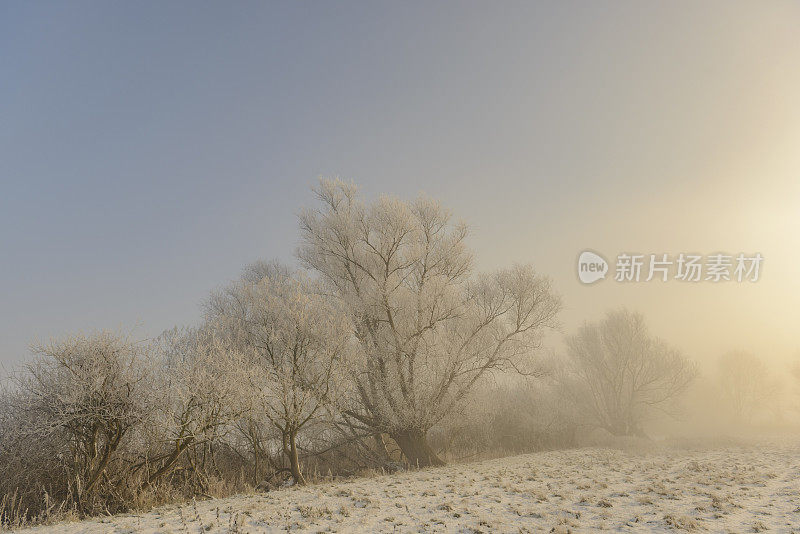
(149, 150)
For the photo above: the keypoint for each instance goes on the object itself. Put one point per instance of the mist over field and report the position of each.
(357, 267)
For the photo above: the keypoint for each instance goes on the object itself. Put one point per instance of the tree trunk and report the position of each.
(380, 446)
(415, 448)
(294, 460)
(627, 430)
(180, 446)
(112, 442)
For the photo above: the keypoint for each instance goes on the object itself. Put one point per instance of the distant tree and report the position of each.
(745, 383)
(623, 372)
(92, 391)
(427, 329)
(794, 370)
(294, 339)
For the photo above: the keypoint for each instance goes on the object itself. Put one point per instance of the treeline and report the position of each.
(386, 351)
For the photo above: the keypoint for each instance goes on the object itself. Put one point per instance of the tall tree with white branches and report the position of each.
(427, 328)
(294, 339)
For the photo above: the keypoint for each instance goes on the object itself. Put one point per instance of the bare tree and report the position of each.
(744, 383)
(294, 338)
(427, 330)
(198, 393)
(623, 372)
(90, 389)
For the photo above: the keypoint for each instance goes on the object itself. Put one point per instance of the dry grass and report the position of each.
(583, 490)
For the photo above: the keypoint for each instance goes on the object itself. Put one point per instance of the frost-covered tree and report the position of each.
(294, 338)
(427, 328)
(623, 372)
(198, 393)
(745, 384)
(90, 391)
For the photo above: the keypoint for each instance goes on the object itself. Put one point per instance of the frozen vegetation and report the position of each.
(719, 489)
(389, 349)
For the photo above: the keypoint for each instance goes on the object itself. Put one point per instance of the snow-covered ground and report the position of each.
(584, 490)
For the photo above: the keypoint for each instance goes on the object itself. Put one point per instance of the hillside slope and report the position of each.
(584, 490)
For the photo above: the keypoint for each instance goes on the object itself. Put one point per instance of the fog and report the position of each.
(379, 267)
(386, 349)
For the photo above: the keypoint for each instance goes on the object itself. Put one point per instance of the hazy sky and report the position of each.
(149, 150)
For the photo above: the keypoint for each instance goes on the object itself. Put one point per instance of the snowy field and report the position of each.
(586, 490)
